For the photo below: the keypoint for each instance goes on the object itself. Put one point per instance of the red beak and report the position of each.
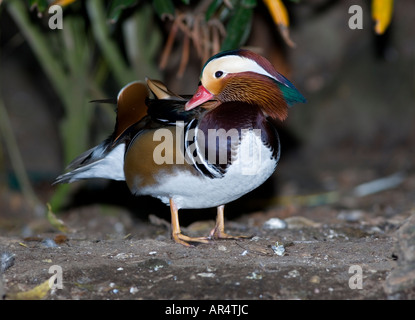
(201, 96)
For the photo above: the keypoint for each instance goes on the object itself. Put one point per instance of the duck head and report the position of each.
(242, 75)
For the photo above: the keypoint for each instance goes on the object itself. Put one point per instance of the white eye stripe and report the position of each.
(235, 64)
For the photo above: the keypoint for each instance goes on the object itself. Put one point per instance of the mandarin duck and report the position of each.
(198, 151)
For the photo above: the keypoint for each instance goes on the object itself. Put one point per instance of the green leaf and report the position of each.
(248, 3)
(238, 28)
(41, 5)
(116, 8)
(213, 7)
(54, 221)
(164, 8)
(186, 2)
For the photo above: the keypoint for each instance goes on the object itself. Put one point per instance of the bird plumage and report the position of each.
(200, 151)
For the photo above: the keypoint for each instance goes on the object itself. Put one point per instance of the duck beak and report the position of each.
(201, 96)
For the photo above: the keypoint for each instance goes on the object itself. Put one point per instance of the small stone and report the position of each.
(122, 256)
(278, 249)
(254, 276)
(133, 290)
(315, 279)
(351, 215)
(6, 261)
(292, 274)
(206, 274)
(157, 267)
(275, 223)
(49, 243)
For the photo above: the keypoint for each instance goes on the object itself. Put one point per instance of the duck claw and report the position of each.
(217, 234)
(184, 240)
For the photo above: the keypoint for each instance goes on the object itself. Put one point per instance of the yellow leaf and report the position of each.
(54, 221)
(278, 12)
(37, 293)
(280, 16)
(382, 14)
(23, 245)
(62, 3)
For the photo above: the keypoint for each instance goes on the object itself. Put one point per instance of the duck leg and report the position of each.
(177, 235)
(218, 232)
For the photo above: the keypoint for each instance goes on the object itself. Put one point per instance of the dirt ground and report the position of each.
(344, 245)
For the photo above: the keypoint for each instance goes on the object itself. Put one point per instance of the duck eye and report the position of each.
(218, 74)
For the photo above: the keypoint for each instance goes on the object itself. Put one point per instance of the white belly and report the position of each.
(253, 165)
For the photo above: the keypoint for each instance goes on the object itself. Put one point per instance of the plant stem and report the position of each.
(68, 74)
(109, 49)
(39, 45)
(16, 160)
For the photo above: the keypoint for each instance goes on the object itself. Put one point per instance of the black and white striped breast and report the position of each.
(213, 142)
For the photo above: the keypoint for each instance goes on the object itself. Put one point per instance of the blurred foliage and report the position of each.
(84, 58)
(110, 43)
(211, 25)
